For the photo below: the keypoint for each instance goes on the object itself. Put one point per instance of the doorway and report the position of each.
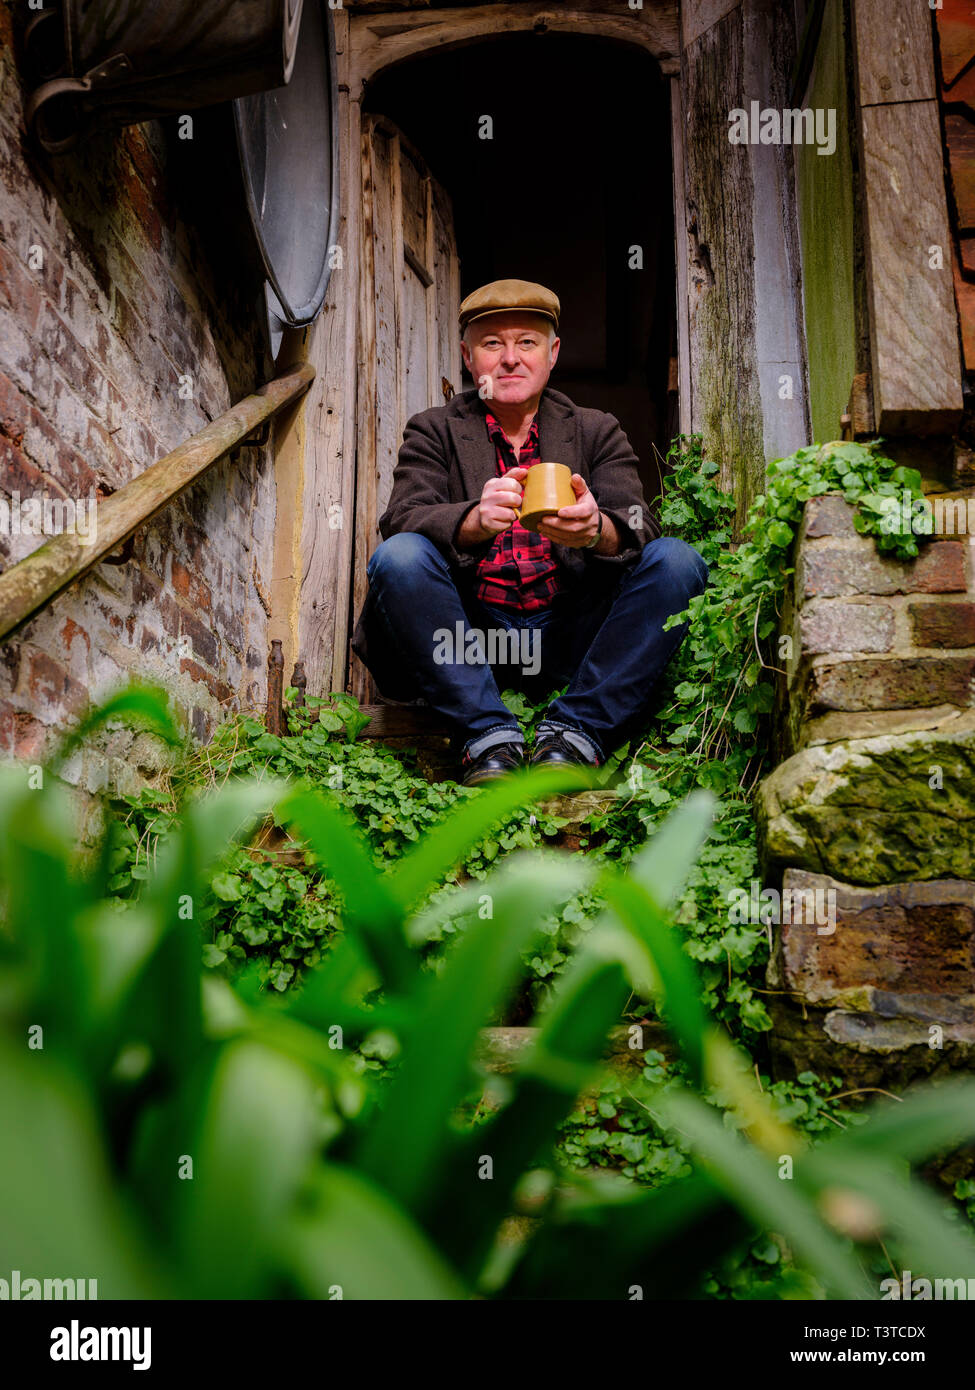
(538, 156)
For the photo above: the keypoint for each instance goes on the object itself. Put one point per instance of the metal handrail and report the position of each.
(33, 582)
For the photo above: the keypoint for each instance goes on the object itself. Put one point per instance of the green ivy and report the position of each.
(614, 1129)
(722, 680)
(713, 725)
(284, 916)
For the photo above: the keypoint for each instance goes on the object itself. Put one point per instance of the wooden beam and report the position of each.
(33, 582)
(289, 436)
(328, 505)
(915, 360)
(697, 16)
(404, 721)
(916, 367)
(682, 253)
(896, 62)
(373, 199)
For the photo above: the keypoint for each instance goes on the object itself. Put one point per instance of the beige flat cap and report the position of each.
(501, 295)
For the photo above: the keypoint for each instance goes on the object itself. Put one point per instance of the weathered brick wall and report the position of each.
(878, 646)
(124, 275)
(874, 809)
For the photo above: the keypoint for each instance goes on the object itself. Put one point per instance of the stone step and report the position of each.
(501, 1050)
(414, 726)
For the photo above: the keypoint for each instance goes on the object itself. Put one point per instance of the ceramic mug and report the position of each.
(547, 488)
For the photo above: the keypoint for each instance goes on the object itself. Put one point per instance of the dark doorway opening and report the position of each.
(573, 189)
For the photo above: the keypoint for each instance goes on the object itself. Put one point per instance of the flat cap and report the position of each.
(502, 295)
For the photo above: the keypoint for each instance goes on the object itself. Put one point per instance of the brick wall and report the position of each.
(878, 645)
(124, 270)
(873, 806)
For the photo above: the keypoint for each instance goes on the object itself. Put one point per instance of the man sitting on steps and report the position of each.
(584, 600)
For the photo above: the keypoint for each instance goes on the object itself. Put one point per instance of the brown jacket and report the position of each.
(447, 457)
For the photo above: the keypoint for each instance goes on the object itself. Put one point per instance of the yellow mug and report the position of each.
(547, 489)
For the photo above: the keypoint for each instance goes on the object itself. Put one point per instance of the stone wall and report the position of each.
(878, 646)
(129, 318)
(874, 809)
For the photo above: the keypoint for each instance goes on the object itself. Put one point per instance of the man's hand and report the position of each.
(495, 512)
(575, 526)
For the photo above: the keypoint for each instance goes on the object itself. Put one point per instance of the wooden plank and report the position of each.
(388, 433)
(697, 16)
(404, 721)
(378, 438)
(380, 40)
(412, 173)
(327, 530)
(288, 448)
(894, 52)
(434, 393)
(366, 405)
(446, 295)
(397, 223)
(416, 386)
(681, 250)
(413, 338)
(916, 370)
(726, 404)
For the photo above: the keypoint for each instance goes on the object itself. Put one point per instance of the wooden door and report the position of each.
(408, 340)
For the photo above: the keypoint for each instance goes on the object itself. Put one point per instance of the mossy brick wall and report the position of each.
(877, 644)
(875, 804)
(123, 270)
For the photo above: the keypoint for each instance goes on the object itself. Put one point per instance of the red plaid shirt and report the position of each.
(520, 570)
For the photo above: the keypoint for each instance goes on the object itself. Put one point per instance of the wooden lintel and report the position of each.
(379, 40)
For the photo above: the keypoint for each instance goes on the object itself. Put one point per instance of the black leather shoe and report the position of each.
(554, 750)
(499, 761)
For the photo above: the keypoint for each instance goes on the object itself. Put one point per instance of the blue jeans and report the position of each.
(437, 641)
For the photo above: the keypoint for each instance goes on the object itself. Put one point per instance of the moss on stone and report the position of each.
(875, 810)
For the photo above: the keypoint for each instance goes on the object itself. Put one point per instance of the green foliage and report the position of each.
(713, 732)
(712, 728)
(386, 878)
(313, 1174)
(283, 917)
(722, 690)
(693, 507)
(614, 1129)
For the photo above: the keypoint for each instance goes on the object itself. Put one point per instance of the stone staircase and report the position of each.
(874, 804)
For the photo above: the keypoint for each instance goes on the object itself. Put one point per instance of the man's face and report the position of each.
(514, 351)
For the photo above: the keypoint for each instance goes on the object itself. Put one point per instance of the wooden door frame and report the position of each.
(368, 44)
(421, 259)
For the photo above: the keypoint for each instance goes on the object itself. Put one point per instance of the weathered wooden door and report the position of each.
(408, 341)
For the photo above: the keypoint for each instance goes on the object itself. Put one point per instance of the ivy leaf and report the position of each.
(780, 533)
(226, 887)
